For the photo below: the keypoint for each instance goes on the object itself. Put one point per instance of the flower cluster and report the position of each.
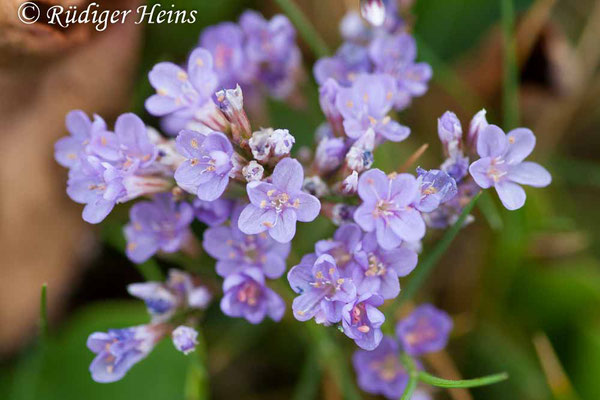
(259, 55)
(249, 191)
(171, 305)
(346, 279)
(380, 371)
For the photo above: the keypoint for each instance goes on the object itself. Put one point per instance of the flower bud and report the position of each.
(450, 132)
(253, 171)
(477, 124)
(330, 154)
(350, 184)
(185, 339)
(315, 186)
(373, 11)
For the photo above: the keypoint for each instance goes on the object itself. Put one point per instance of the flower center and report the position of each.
(376, 267)
(384, 209)
(249, 293)
(388, 368)
(497, 169)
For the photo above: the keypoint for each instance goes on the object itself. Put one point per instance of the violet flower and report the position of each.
(365, 106)
(183, 94)
(164, 298)
(225, 42)
(349, 62)
(213, 213)
(361, 320)
(425, 330)
(345, 248)
(383, 268)
(236, 251)
(275, 207)
(379, 371)
(323, 291)
(68, 150)
(501, 164)
(436, 187)
(388, 207)
(160, 224)
(205, 172)
(119, 349)
(247, 296)
(395, 55)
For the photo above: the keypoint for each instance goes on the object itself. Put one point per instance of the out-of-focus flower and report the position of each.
(365, 106)
(395, 56)
(373, 11)
(225, 42)
(275, 207)
(388, 207)
(205, 172)
(350, 61)
(119, 349)
(315, 186)
(160, 224)
(501, 164)
(425, 330)
(236, 251)
(213, 213)
(362, 320)
(379, 371)
(247, 296)
(345, 248)
(383, 268)
(330, 154)
(184, 339)
(323, 291)
(164, 298)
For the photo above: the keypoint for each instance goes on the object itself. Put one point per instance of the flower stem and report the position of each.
(43, 312)
(306, 29)
(413, 376)
(464, 383)
(197, 379)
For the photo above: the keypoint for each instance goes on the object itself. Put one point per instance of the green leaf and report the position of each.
(464, 383)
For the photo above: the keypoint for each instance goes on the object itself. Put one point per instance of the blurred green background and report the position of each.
(523, 287)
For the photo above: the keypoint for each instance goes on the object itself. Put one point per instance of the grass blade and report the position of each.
(44, 311)
(305, 28)
(465, 383)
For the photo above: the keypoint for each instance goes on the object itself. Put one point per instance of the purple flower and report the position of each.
(345, 248)
(275, 207)
(181, 94)
(213, 213)
(501, 164)
(436, 187)
(128, 148)
(205, 172)
(68, 150)
(270, 45)
(425, 330)
(225, 42)
(362, 321)
(330, 154)
(87, 185)
(327, 95)
(185, 339)
(119, 349)
(162, 299)
(350, 61)
(450, 132)
(395, 55)
(160, 224)
(388, 207)
(366, 105)
(447, 213)
(236, 251)
(323, 291)
(247, 296)
(383, 268)
(380, 371)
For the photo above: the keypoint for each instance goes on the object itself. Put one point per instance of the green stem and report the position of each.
(426, 266)
(465, 383)
(43, 312)
(306, 29)
(310, 377)
(197, 387)
(510, 99)
(413, 376)
(490, 211)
